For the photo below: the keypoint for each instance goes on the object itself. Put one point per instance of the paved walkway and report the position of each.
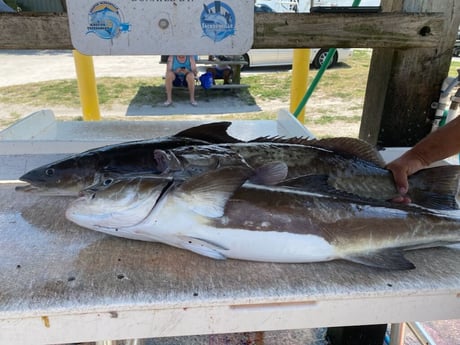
(25, 66)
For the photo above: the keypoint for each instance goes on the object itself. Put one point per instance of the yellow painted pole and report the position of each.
(300, 68)
(87, 86)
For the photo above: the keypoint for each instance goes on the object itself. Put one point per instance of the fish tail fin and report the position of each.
(436, 188)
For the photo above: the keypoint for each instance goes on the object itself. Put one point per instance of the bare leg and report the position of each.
(191, 86)
(170, 76)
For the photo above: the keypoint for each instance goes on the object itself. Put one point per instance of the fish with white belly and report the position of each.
(213, 214)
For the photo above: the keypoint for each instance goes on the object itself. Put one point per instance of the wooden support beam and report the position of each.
(350, 30)
(271, 30)
(403, 83)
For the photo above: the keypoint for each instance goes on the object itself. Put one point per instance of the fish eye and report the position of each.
(107, 182)
(49, 172)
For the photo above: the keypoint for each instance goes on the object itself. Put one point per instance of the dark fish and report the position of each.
(339, 166)
(70, 175)
(353, 169)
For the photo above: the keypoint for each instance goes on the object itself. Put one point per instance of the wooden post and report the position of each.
(403, 83)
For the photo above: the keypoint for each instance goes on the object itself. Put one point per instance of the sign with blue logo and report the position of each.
(166, 27)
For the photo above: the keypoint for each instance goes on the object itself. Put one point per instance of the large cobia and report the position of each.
(214, 215)
(335, 166)
(70, 175)
(338, 166)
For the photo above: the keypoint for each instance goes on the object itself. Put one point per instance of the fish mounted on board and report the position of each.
(215, 215)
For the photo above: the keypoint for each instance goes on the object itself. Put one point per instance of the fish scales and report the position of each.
(328, 171)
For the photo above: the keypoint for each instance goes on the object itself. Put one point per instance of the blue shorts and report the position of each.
(180, 80)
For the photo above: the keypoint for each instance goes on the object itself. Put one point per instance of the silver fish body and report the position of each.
(214, 215)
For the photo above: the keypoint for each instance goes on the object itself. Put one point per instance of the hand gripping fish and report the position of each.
(215, 215)
(354, 169)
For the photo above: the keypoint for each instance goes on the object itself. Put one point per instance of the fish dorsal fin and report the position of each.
(284, 140)
(352, 146)
(389, 259)
(270, 173)
(343, 145)
(214, 132)
(203, 247)
(208, 193)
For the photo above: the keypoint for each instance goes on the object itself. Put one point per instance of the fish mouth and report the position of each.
(29, 188)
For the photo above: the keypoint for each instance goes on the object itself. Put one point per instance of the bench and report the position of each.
(215, 86)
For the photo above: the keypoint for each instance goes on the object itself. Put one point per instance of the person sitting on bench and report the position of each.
(220, 71)
(180, 71)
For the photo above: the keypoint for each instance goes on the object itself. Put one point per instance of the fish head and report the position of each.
(63, 177)
(117, 203)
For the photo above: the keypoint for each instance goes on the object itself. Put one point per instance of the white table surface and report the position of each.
(61, 283)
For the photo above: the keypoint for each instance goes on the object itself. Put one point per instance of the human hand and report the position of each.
(402, 168)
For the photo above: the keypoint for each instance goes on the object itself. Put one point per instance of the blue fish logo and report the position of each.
(105, 21)
(217, 21)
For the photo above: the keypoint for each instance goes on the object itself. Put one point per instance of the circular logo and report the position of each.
(105, 20)
(217, 21)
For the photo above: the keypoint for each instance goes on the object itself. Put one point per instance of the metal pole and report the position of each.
(300, 68)
(87, 86)
(419, 332)
(397, 334)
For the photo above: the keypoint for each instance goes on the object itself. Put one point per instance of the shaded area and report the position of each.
(149, 101)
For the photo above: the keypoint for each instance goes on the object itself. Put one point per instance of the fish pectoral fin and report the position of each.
(208, 193)
(203, 247)
(270, 173)
(166, 161)
(389, 259)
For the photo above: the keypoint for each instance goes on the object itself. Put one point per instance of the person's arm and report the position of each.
(440, 144)
(193, 65)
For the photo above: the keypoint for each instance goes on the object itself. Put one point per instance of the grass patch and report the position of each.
(338, 97)
(345, 82)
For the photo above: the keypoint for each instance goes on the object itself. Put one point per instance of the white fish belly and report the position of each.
(185, 229)
(268, 246)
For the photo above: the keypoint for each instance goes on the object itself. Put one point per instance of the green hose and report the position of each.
(320, 73)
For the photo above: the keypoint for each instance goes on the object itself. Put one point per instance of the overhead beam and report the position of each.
(271, 30)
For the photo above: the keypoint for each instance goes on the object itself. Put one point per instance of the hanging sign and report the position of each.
(166, 27)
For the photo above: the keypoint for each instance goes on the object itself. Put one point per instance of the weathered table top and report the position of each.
(62, 283)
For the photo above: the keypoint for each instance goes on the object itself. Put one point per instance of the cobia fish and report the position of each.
(215, 215)
(70, 175)
(352, 168)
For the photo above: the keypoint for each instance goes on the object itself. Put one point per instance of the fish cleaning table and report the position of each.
(62, 283)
